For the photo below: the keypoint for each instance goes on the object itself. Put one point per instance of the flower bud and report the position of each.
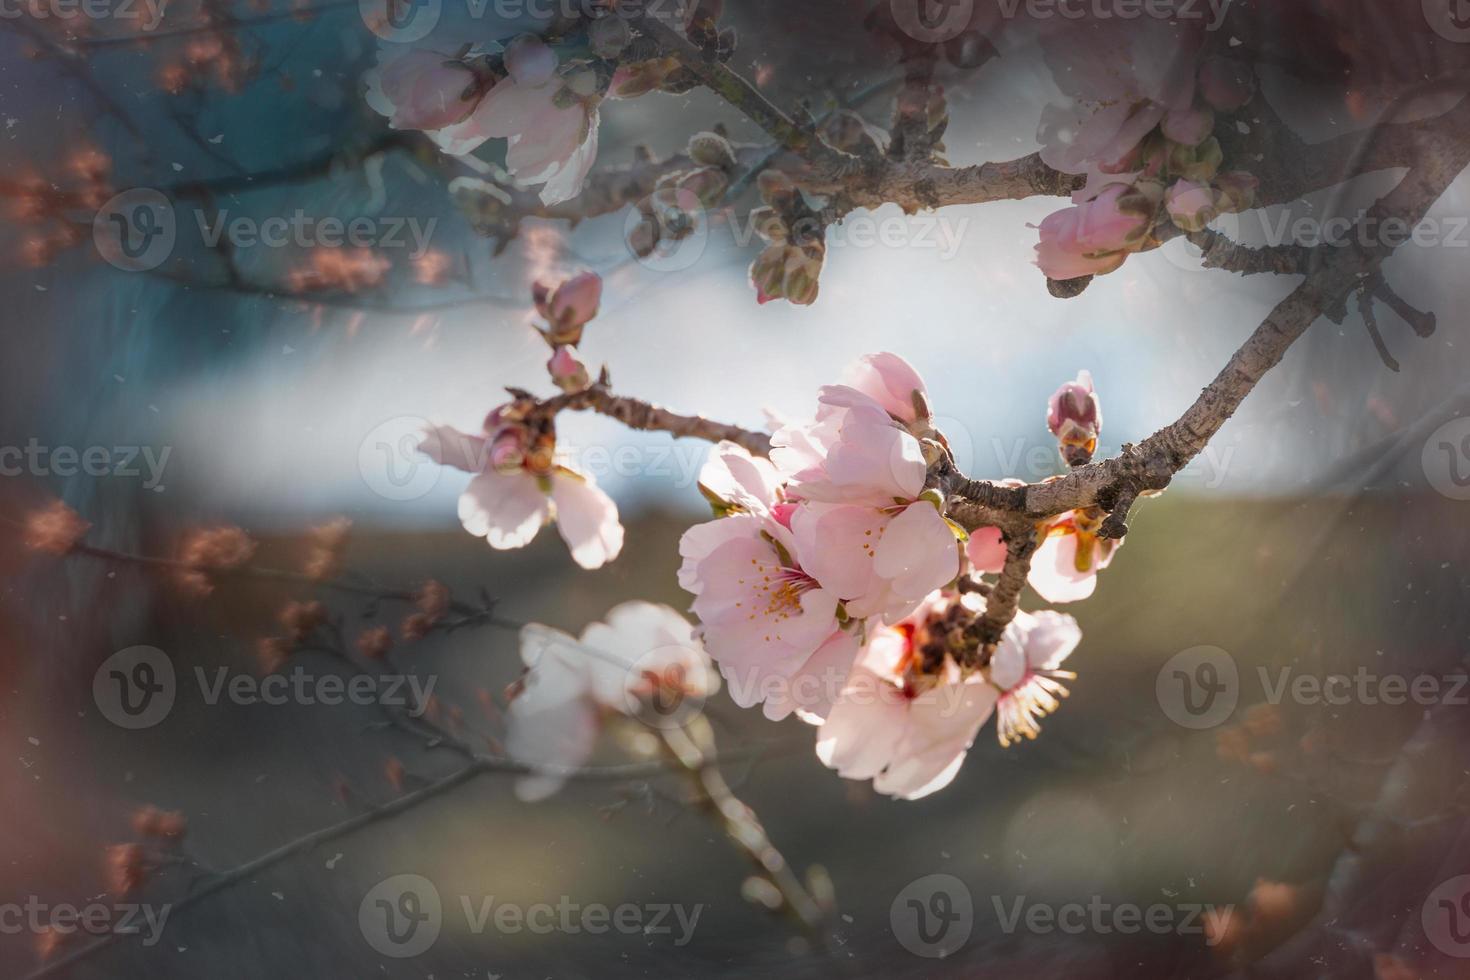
(639, 78)
(529, 61)
(643, 238)
(1189, 126)
(567, 373)
(712, 150)
(768, 273)
(1074, 416)
(776, 189)
(847, 131)
(568, 306)
(508, 449)
(1237, 191)
(609, 36)
(1199, 163)
(1192, 205)
(708, 184)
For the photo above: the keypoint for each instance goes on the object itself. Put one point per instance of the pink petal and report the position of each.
(587, 519)
(918, 552)
(448, 446)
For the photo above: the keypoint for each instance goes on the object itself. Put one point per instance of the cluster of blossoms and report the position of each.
(541, 92)
(1140, 126)
(520, 484)
(828, 586)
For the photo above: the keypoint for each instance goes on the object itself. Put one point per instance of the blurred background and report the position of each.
(1322, 533)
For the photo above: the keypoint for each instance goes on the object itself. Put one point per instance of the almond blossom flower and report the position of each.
(568, 306)
(893, 383)
(571, 684)
(1095, 236)
(867, 529)
(1065, 566)
(903, 723)
(516, 491)
(550, 124)
(420, 89)
(1026, 668)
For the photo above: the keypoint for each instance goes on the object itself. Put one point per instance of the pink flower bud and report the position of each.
(1192, 205)
(569, 306)
(530, 62)
(1189, 126)
(1074, 416)
(1225, 83)
(508, 450)
(1237, 190)
(568, 373)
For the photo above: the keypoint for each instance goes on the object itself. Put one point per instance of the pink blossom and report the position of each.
(853, 452)
(551, 129)
(420, 89)
(893, 383)
(514, 493)
(1191, 204)
(1065, 566)
(1061, 254)
(881, 561)
(1026, 667)
(741, 481)
(567, 373)
(570, 684)
(907, 731)
(986, 550)
(569, 305)
(1189, 125)
(1074, 416)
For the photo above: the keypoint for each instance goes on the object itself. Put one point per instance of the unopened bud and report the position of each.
(708, 184)
(712, 150)
(567, 373)
(776, 189)
(1199, 163)
(609, 36)
(1074, 416)
(1192, 205)
(1237, 191)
